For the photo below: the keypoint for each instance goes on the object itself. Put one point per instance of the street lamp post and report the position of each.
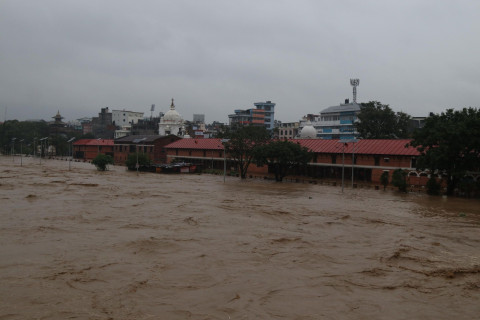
(21, 150)
(71, 153)
(224, 159)
(41, 148)
(353, 157)
(13, 149)
(345, 143)
(136, 141)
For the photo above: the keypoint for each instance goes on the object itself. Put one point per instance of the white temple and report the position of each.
(172, 123)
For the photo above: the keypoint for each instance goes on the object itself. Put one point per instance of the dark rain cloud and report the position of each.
(215, 56)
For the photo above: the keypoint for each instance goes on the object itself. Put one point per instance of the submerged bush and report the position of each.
(101, 161)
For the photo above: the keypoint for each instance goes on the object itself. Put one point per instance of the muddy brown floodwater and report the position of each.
(84, 244)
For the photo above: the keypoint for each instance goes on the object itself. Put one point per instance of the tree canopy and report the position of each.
(143, 160)
(450, 143)
(379, 121)
(282, 155)
(102, 161)
(243, 143)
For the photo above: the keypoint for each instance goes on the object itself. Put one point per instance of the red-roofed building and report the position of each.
(206, 152)
(370, 158)
(151, 145)
(88, 149)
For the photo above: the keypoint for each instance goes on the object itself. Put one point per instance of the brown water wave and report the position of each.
(113, 245)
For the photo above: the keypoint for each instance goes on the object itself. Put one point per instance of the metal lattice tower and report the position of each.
(355, 83)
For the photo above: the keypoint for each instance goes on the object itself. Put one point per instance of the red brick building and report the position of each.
(151, 145)
(88, 149)
(370, 158)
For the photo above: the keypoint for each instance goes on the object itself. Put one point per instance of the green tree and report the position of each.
(102, 161)
(282, 156)
(379, 121)
(450, 143)
(399, 180)
(384, 179)
(26, 130)
(243, 144)
(143, 160)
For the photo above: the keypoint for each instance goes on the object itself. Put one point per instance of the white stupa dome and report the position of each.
(172, 115)
(308, 132)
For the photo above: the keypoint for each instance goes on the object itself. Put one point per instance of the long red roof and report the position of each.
(367, 146)
(94, 142)
(370, 146)
(190, 143)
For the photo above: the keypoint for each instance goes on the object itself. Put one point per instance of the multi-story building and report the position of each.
(269, 108)
(336, 122)
(262, 115)
(122, 118)
(255, 117)
(102, 126)
(288, 130)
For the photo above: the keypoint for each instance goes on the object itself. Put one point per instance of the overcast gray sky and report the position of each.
(214, 56)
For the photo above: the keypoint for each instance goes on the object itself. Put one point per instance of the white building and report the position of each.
(171, 123)
(337, 122)
(288, 130)
(124, 119)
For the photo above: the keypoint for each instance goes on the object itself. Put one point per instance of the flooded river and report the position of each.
(83, 244)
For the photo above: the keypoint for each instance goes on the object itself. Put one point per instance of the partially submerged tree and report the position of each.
(282, 156)
(379, 121)
(399, 180)
(384, 179)
(242, 145)
(102, 161)
(143, 160)
(450, 143)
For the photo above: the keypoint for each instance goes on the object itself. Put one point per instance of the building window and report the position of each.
(377, 160)
(413, 163)
(334, 158)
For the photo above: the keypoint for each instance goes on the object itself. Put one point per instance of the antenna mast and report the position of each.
(355, 83)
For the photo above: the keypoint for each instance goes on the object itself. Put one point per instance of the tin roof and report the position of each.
(191, 143)
(93, 142)
(138, 138)
(366, 146)
(342, 108)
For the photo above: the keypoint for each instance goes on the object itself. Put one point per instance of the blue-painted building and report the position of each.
(336, 122)
(269, 108)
